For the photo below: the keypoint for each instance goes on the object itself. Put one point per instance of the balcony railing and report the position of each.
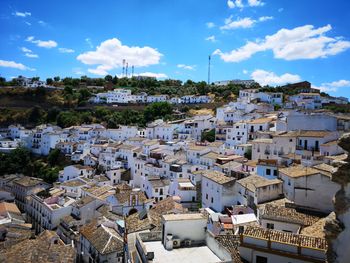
(301, 148)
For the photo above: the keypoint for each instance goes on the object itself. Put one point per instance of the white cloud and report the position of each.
(31, 55)
(333, 86)
(339, 84)
(245, 22)
(65, 50)
(265, 18)
(211, 39)
(240, 54)
(98, 71)
(245, 71)
(210, 24)
(12, 64)
(78, 71)
(88, 41)
(239, 3)
(110, 54)
(255, 3)
(305, 42)
(264, 77)
(188, 67)
(239, 23)
(29, 24)
(42, 23)
(153, 75)
(280, 9)
(24, 49)
(41, 43)
(230, 4)
(22, 14)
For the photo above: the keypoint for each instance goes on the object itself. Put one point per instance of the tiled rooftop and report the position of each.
(28, 181)
(299, 171)
(181, 217)
(217, 177)
(286, 238)
(285, 214)
(41, 249)
(104, 239)
(252, 182)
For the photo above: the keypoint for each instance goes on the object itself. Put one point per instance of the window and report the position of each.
(270, 226)
(260, 259)
(206, 196)
(212, 200)
(268, 171)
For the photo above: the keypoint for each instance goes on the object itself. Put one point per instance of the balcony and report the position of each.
(176, 168)
(303, 148)
(156, 156)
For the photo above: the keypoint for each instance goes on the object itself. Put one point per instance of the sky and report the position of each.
(273, 42)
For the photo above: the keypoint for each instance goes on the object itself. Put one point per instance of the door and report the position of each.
(317, 146)
(305, 144)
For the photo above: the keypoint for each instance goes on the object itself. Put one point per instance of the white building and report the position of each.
(309, 187)
(284, 218)
(115, 96)
(254, 189)
(237, 134)
(308, 101)
(45, 210)
(217, 190)
(157, 98)
(155, 187)
(73, 171)
(101, 243)
(261, 245)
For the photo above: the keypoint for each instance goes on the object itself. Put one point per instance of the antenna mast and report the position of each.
(126, 69)
(123, 67)
(132, 71)
(209, 69)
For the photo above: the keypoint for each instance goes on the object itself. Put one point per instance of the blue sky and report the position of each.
(273, 42)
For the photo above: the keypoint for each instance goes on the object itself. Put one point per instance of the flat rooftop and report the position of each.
(180, 255)
(178, 217)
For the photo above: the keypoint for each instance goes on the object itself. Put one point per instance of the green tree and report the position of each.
(53, 157)
(248, 154)
(208, 136)
(2, 81)
(67, 119)
(15, 162)
(49, 81)
(36, 115)
(57, 79)
(115, 80)
(52, 114)
(157, 110)
(108, 78)
(68, 90)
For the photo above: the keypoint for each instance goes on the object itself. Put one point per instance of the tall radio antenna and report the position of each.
(123, 68)
(209, 69)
